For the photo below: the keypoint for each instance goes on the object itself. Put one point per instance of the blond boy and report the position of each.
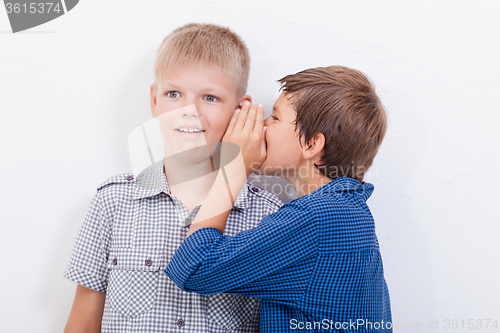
(134, 226)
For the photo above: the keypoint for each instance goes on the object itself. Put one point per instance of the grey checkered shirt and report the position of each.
(129, 235)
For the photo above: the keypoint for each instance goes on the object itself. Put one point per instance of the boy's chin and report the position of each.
(191, 155)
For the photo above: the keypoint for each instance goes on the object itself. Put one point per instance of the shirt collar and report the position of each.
(241, 201)
(346, 185)
(152, 181)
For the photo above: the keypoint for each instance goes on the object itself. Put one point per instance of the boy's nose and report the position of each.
(190, 111)
(266, 121)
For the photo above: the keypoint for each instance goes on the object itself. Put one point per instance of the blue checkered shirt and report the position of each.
(132, 229)
(315, 263)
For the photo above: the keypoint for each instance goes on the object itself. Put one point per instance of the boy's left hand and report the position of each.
(247, 130)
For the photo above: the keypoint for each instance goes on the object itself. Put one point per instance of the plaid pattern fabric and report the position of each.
(315, 263)
(130, 234)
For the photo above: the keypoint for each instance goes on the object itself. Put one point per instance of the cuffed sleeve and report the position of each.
(190, 255)
(88, 263)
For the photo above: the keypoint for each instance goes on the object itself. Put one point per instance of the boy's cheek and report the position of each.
(165, 116)
(173, 110)
(164, 108)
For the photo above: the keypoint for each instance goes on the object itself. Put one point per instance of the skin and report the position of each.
(197, 96)
(86, 313)
(285, 157)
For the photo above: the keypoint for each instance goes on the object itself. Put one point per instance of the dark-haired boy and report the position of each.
(315, 264)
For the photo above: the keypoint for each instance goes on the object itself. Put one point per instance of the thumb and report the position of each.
(264, 144)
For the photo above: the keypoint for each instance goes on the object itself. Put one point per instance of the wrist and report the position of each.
(254, 166)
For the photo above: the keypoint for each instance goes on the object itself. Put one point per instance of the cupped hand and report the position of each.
(246, 129)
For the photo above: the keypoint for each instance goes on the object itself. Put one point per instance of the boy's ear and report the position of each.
(245, 98)
(314, 150)
(152, 101)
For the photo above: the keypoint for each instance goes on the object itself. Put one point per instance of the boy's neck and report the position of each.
(306, 182)
(189, 182)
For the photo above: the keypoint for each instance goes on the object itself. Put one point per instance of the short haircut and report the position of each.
(204, 44)
(341, 103)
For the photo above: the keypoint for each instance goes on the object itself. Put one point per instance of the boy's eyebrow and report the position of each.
(216, 90)
(209, 89)
(276, 109)
(170, 85)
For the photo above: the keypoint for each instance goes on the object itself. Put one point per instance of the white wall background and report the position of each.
(72, 89)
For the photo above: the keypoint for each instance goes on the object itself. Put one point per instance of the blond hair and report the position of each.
(204, 44)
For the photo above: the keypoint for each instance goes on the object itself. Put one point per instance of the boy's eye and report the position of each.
(211, 98)
(173, 94)
(274, 117)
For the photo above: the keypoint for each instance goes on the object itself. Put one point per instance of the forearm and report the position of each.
(219, 202)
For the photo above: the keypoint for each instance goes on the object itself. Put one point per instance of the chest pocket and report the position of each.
(232, 311)
(133, 280)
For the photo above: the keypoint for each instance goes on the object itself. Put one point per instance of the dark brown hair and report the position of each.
(341, 103)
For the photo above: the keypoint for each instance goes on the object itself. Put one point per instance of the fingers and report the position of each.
(250, 120)
(241, 116)
(263, 144)
(259, 119)
(232, 122)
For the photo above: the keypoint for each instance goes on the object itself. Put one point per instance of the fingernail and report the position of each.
(246, 102)
(237, 110)
(261, 106)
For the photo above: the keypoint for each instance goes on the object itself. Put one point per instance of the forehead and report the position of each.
(284, 107)
(198, 75)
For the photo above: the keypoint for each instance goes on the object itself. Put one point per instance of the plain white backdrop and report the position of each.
(73, 89)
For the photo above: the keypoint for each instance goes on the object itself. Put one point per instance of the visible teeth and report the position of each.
(190, 130)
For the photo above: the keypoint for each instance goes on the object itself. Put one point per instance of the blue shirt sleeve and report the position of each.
(272, 261)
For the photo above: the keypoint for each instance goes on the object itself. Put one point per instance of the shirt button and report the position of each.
(255, 189)
(180, 322)
(115, 261)
(129, 178)
(149, 262)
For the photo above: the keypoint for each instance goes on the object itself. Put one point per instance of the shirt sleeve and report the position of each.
(272, 261)
(88, 263)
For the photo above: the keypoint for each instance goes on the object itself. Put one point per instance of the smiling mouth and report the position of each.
(189, 130)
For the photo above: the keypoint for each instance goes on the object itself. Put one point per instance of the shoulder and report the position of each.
(262, 195)
(121, 182)
(344, 217)
(125, 178)
(116, 189)
(296, 211)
